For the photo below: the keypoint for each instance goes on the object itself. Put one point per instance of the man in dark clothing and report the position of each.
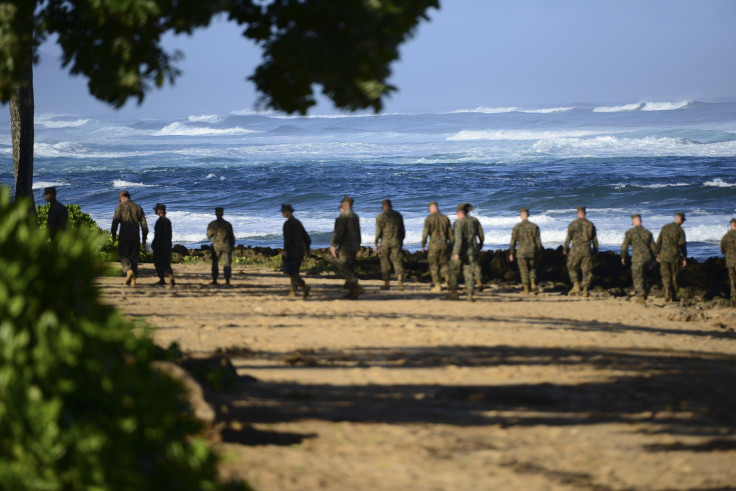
(161, 246)
(131, 218)
(296, 245)
(58, 214)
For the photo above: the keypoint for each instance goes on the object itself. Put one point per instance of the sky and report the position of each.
(472, 53)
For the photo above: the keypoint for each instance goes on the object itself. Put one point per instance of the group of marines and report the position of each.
(450, 249)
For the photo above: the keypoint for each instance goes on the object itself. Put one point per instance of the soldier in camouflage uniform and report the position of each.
(671, 255)
(345, 245)
(58, 214)
(220, 232)
(465, 251)
(643, 250)
(441, 239)
(161, 246)
(390, 235)
(479, 240)
(526, 234)
(296, 245)
(581, 233)
(728, 248)
(131, 218)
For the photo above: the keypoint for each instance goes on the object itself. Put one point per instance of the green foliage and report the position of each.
(345, 47)
(80, 405)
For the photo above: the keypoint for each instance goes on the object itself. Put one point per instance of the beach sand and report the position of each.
(405, 390)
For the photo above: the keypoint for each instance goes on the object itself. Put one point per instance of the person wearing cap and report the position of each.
(581, 233)
(296, 245)
(441, 239)
(526, 235)
(132, 221)
(672, 255)
(464, 252)
(220, 232)
(345, 245)
(728, 248)
(161, 246)
(58, 214)
(390, 234)
(643, 250)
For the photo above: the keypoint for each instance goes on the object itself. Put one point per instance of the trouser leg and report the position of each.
(666, 272)
(296, 278)
(346, 265)
(470, 271)
(573, 262)
(396, 260)
(454, 273)
(215, 264)
(524, 270)
(732, 278)
(385, 263)
(159, 264)
(637, 276)
(586, 266)
(227, 259)
(433, 258)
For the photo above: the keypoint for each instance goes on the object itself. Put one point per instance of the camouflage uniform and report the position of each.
(346, 239)
(581, 233)
(296, 244)
(57, 219)
(161, 247)
(390, 235)
(526, 234)
(131, 218)
(480, 240)
(467, 232)
(223, 241)
(643, 250)
(437, 228)
(671, 250)
(728, 248)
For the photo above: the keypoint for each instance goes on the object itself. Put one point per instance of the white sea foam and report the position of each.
(548, 110)
(618, 109)
(47, 184)
(181, 129)
(718, 183)
(605, 146)
(487, 110)
(205, 118)
(61, 124)
(120, 183)
(516, 134)
(210, 176)
(652, 186)
(664, 106)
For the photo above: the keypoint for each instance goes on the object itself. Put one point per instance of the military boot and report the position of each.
(452, 295)
(171, 280)
(132, 280)
(470, 297)
(479, 285)
(400, 284)
(535, 289)
(575, 288)
(385, 285)
(292, 291)
(586, 293)
(355, 291)
(129, 277)
(305, 291)
(227, 281)
(160, 282)
(437, 288)
(214, 281)
(667, 295)
(526, 290)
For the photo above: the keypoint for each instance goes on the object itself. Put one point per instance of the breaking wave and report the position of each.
(181, 129)
(618, 109)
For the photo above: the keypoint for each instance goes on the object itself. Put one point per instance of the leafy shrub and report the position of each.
(80, 405)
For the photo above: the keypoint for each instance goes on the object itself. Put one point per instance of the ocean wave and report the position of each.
(618, 109)
(50, 124)
(487, 110)
(652, 186)
(665, 106)
(718, 183)
(516, 135)
(181, 129)
(605, 146)
(48, 184)
(76, 150)
(548, 110)
(205, 118)
(120, 183)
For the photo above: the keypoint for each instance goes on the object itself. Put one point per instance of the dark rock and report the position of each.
(180, 249)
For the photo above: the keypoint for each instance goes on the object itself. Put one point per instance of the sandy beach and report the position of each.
(405, 390)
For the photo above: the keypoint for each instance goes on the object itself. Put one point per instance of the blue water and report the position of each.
(649, 158)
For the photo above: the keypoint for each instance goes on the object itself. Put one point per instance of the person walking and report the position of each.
(390, 234)
(161, 246)
(582, 234)
(672, 255)
(220, 232)
(345, 245)
(441, 239)
(526, 235)
(643, 249)
(296, 245)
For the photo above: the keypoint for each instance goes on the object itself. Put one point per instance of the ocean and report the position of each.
(653, 158)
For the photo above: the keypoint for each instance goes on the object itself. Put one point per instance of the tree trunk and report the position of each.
(21, 123)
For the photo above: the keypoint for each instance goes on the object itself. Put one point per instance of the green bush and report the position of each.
(80, 405)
